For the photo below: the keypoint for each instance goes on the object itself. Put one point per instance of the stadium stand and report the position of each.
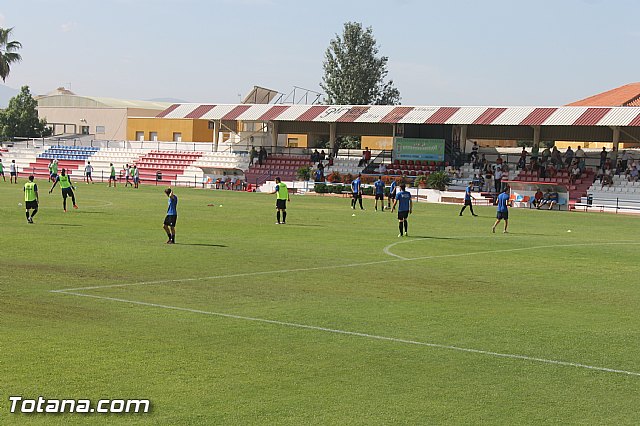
(23, 157)
(284, 166)
(220, 161)
(118, 156)
(69, 157)
(164, 165)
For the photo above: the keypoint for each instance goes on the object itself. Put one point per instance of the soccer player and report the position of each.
(356, 189)
(172, 216)
(467, 199)
(392, 193)
(405, 208)
(112, 175)
(503, 209)
(13, 172)
(127, 176)
(67, 189)
(281, 201)
(30, 199)
(51, 174)
(2, 171)
(379, 193)
(136, 177)
(88, 169)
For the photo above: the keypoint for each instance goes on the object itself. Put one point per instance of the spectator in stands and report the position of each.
(546, 154)
(488, 178)
(323, 155)
(262, 155)
(537, 198)
(505, 172)
(624, 160)
(382, 169)
(252, 154)
(607, 177)
(613, 158)
(522, 162)
(633, 174)
(367, 155)
(568, 156)
(315, 156)
(581, 157)
(477, 182)
(551, 171)
(575, 172)
(535, 149)
(497, 179)
(499, 160)
(483, 162)
(473, 157)
(556, 157)
(330, 161)
(363, 160)
(603, 157)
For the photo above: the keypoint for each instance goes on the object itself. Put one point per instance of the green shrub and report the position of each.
(320, 188)
(438, 180)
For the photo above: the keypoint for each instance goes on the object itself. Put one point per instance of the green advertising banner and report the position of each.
(419, 149)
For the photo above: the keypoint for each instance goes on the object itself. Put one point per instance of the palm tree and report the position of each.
(8, 52)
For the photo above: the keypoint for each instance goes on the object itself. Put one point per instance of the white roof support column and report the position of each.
(536, 136)
(216, 134)
(274, 136)
(332, 135)
(616, 136)
(463, 137)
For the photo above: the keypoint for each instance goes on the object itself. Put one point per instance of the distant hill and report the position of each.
(6, 93)
(170, 100)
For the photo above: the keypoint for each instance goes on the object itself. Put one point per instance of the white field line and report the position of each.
(363, 335)
(349, 265)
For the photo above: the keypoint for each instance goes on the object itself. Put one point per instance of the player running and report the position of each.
(503, 210)
(67, 189)
(379, 193)
(281, 200)
(172, 216)
(405, 208)
(356, 189)
(30, 199)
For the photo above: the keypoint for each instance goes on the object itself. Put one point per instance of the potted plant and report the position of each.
(334, 177)
(304, 173)
(420, 181)
(438, 180)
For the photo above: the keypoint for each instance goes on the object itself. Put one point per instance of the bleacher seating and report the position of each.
(577, 190)
(169, 163)
(222, 161)
(284, 166)
(622, 194)
(71, 158)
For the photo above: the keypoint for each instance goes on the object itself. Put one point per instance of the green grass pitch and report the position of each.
(330, 319)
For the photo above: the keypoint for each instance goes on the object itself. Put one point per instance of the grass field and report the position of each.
(330, 319)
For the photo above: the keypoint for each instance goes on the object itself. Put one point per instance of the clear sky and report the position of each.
(454, 52)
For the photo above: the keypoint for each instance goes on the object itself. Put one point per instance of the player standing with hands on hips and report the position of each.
(405, 208)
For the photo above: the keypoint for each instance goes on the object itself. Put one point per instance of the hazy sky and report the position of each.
(455, 52)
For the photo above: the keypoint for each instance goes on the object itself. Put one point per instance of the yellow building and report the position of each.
(169, 129)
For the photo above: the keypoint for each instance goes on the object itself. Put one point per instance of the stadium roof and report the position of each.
(72, 100)
(476, 115)
(626, 96)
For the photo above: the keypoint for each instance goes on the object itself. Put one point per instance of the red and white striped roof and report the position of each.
(477, 115)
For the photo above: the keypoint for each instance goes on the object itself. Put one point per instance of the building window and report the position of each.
(177, 136)
(84, 130)
(140, 136)
(153, 136)
(99, 130)
(292, 142)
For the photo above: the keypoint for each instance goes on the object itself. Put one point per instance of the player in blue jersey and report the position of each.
(405, 207)
(379, 193)
(172, 216)
(392, 193)
(503, 209)
(467, 199)
(356, 189)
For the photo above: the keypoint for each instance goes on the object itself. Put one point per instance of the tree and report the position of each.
(353, 73)
(8, 52)
(20, 118)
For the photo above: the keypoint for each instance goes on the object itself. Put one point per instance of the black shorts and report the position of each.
(403, 215)
(392, 195)
(67, 192)
(1, 172)
(380, 197)
(31, 204)
(468, 203)
(503, 215)
(281, 204)
(171, 220)
(13, 173)
(356, 195)
(88, 174)
(113, 178)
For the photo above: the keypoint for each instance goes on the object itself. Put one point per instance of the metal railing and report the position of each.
(603, 204)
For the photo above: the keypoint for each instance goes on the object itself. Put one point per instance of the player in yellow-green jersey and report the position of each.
(31, 198)
(67, 189)
(281, 200)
